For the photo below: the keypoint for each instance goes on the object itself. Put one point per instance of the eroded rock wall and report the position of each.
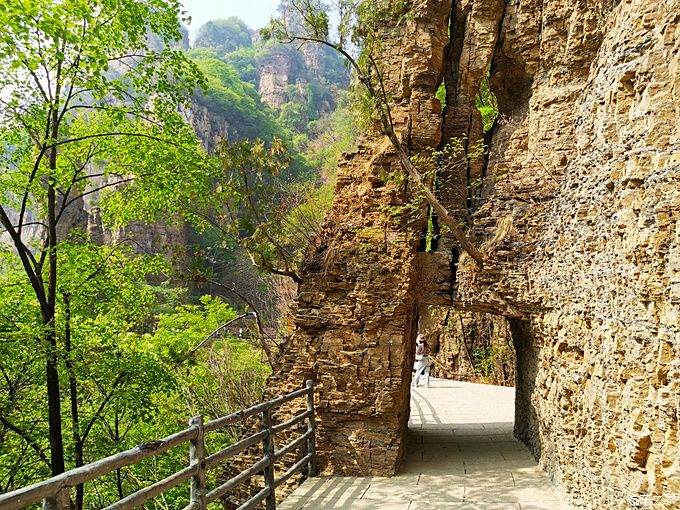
(575, 204)
(356, 311)
(581, 227)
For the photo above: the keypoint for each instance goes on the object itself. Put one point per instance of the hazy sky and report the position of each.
(255, 13)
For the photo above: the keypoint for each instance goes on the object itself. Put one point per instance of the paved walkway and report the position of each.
(461, 455)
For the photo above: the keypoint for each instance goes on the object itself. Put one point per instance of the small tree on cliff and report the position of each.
(89, 109)
(360, 26)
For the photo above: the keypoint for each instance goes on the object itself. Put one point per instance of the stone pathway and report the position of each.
(461, 455)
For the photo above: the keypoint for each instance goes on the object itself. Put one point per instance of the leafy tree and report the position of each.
(224, 35)
(269, 201)
(105, 297)
(24, 456)
(293, 115)
(264, 175)
(264, 205)
(132, 374)
(220, 249)
(255, 194)
(441, 94)
(245, 61)
(195, 332)
(88, 109)
(360, 25)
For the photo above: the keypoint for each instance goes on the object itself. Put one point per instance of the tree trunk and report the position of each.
(78, 446)
(411, 170)
(49, 316)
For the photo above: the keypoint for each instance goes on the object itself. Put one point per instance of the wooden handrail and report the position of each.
(54, 491)
(294, 469)
(293, 421)
(140, 497)
(293, 446)
(234, 449)
(223, 489)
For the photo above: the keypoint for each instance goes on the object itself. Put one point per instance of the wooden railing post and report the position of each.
(268, 448)
(197, 456)
(311, 426)
(62, 501)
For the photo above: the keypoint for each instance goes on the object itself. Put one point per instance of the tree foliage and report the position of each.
(333, 135)
(261, 193)
(94, 94)
(314, 123)
(128, 359)
(89, 109)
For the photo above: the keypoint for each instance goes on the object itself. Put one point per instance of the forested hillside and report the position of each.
(181, 236)
(264, 90)
(153, 196)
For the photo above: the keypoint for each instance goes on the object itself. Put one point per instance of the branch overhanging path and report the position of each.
(388, 129)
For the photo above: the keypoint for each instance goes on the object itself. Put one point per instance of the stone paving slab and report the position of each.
(460, 455)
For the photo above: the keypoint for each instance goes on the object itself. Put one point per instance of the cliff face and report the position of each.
(576, 206)
(277, 72)
(356, 320)
(310, 77)
(583, 218)
(210, 126)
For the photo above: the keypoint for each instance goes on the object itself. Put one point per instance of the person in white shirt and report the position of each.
(422, 364)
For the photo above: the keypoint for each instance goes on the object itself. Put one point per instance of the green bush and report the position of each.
(487, 104)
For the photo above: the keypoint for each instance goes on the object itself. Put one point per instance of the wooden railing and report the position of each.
(55, 492)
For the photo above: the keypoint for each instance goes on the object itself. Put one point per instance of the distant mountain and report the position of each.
(300, 85)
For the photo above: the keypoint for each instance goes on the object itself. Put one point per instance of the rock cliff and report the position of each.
(279, 70)
(356, 310)
(575, 204)
(582, 229)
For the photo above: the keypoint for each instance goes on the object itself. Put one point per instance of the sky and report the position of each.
(256, 13)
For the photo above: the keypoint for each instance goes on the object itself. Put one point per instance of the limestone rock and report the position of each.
(576, 206)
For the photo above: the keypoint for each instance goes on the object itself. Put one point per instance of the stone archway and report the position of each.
(453, 350)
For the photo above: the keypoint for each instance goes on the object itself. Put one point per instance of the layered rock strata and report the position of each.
(581, 227)
(576, 205)
(356, 310)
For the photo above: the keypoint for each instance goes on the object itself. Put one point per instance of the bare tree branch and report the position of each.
(382, 102)
(210, 337)
(102, 405)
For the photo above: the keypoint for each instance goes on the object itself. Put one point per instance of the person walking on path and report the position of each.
(422, 364)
